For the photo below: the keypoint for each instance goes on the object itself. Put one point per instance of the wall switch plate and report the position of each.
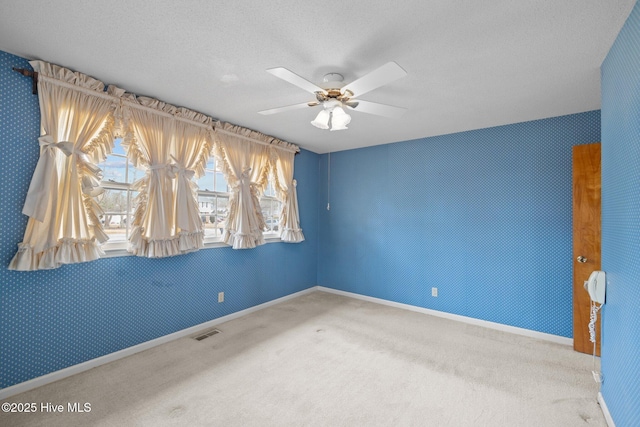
(434, 292)
(220, 296)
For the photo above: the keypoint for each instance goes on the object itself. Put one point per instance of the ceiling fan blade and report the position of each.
(294, 79)
(388, 73)
(288, 108)
(375, 108)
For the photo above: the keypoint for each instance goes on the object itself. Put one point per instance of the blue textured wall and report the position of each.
(484, 216)
(621, 224)
(53, 319)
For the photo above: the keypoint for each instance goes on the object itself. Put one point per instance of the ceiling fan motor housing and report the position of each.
(333, 77)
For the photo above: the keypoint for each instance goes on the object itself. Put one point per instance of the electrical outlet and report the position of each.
(434, 292)
(220, 296)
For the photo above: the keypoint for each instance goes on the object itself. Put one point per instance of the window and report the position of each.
(118, 200)
(271, 208)
(213, 200)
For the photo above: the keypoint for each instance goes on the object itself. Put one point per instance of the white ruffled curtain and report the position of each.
(166, 221)
(77, 126)
(193, 146)
(147, 143)
(245, 166)
(290, 230)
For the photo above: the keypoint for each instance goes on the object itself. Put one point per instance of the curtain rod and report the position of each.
(257, 141)
(32, 74)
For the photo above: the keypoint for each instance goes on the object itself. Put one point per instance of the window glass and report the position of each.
(270, 191)
(117, 199)
(213, 180)
(213, 213)
(205, 182)
(221, 183)
(117, 147)
(116, 204)
(271, 213)
(114, 168)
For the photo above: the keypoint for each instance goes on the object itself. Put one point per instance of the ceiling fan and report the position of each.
(334, 96)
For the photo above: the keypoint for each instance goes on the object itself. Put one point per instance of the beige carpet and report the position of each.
(328, 360)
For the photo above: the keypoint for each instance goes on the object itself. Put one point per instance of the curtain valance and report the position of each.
(79, 123)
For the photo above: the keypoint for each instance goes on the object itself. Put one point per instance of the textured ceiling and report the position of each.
(470, 64)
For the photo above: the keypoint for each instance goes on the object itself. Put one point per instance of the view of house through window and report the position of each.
(270, 208)
(118, 200)
(213, 200)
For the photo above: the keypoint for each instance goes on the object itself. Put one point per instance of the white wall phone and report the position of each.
(596, 286)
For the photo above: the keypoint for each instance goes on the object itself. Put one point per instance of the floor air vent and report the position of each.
(207, 334)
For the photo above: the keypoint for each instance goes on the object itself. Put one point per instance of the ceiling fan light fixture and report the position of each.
(340, 119)
(322, 119)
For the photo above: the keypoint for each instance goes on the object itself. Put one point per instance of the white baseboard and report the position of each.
(89, 364)
(492, 325)
(605, 410)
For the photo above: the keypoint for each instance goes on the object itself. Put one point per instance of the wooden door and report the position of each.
(586, 239)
